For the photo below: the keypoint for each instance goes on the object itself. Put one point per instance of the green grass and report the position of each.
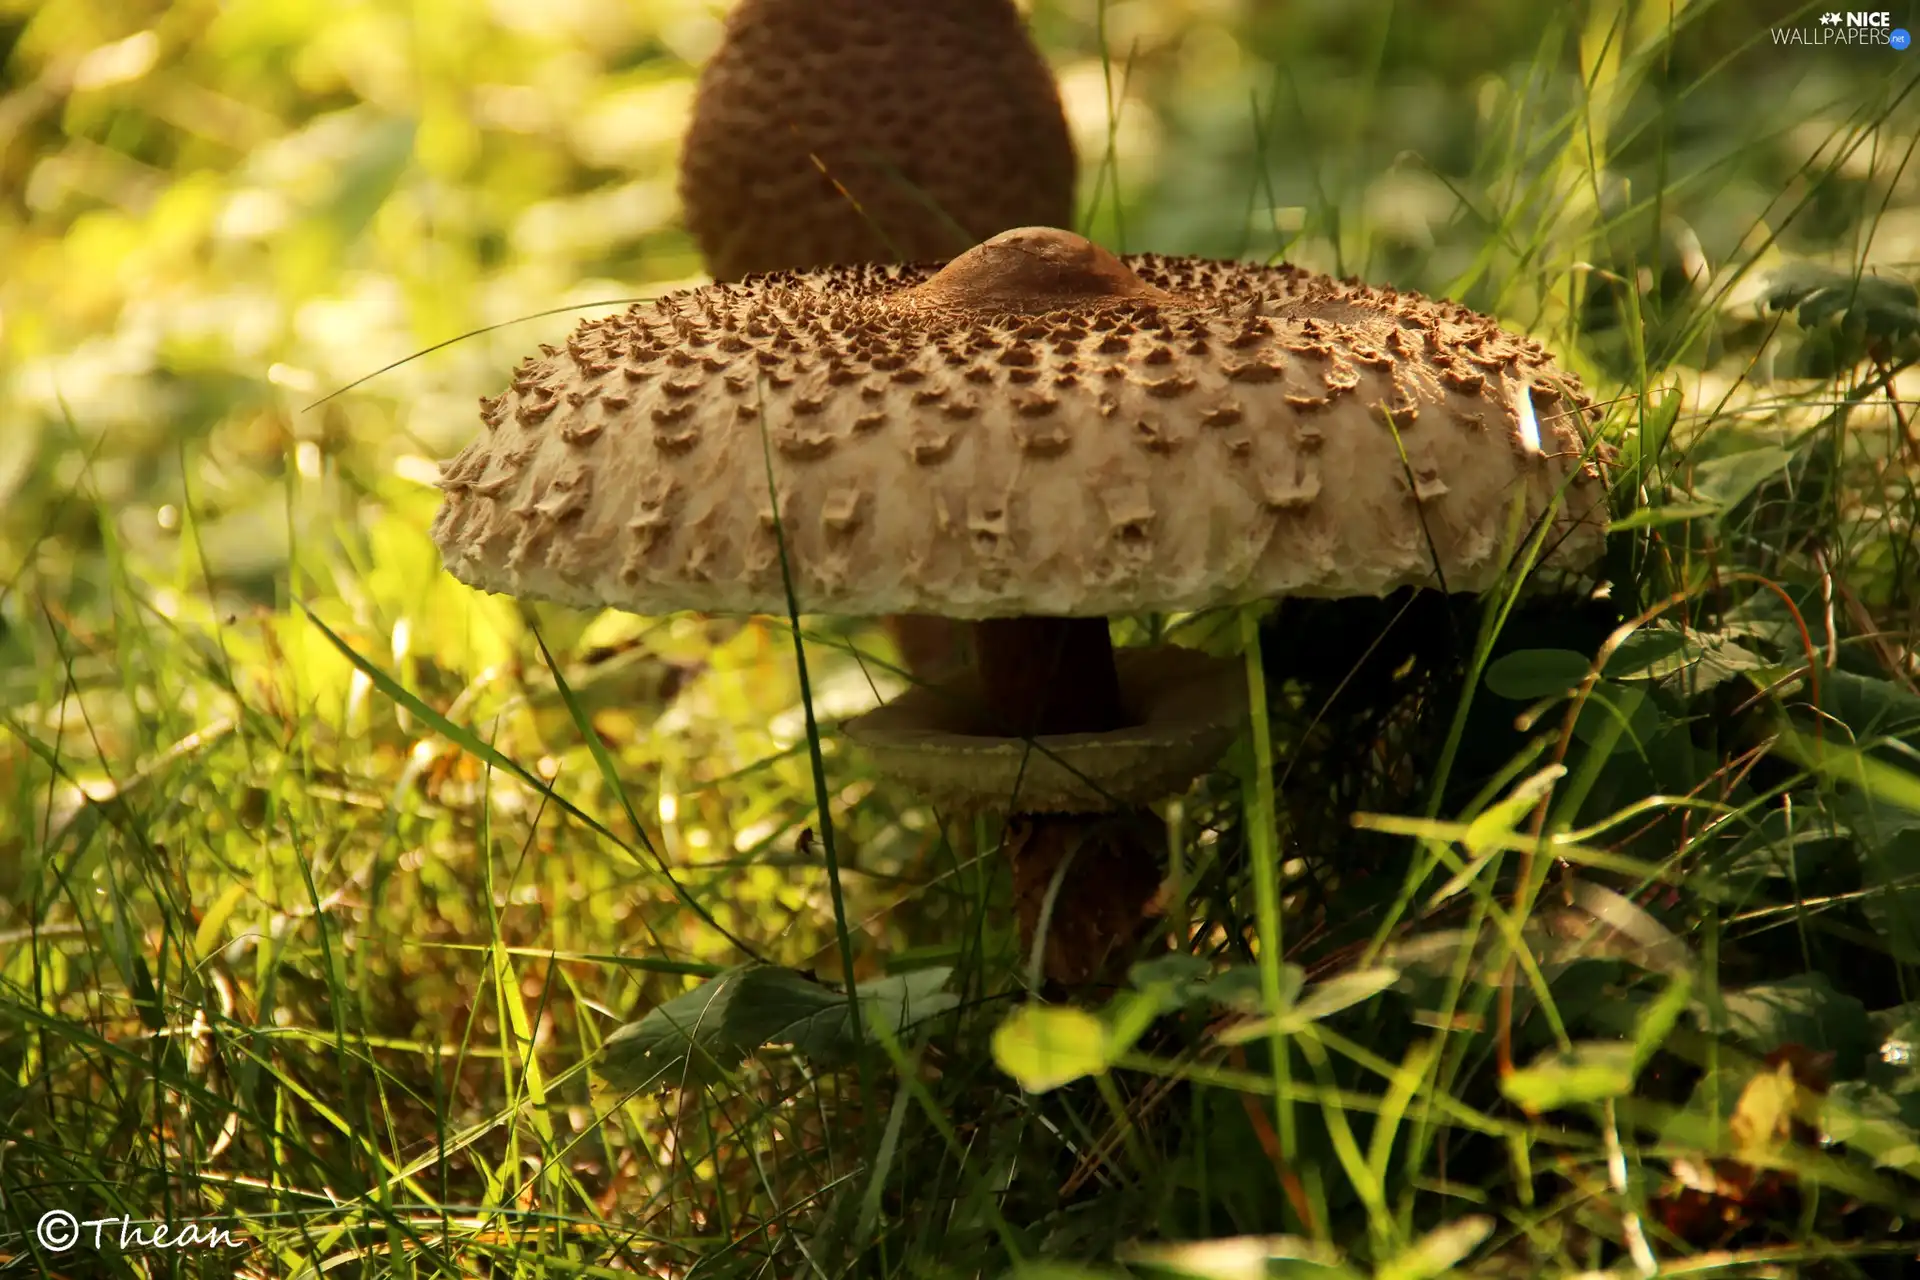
(323, 880)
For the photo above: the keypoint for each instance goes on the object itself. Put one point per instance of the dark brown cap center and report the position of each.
(1033, 270)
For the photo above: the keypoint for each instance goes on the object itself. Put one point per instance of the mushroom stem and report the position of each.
(1108, 866)
(1048, 675)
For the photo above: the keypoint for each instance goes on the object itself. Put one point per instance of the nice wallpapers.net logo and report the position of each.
(1860, 28)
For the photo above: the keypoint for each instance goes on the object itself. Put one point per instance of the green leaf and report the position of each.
(899, 1002)
(1649, 652)
(1043, 1047)
(146, 996)
(689, 1035)
(1321, 1000)
(1239, 987)
(711, 1028)
(1668, 513)
(369, 176)
(1503, 817)
(207, 938)
(1661, 653)
(1537, 673)
(1437, 1252)
(1795, 283)
(818, 1022)
(1804, 1010)
(1657, 1020)
(1869, 706)
(1874, 306)
(779, 1006)
(1343, 991)
(1874, 1123)
(1236, 1258)
(1177, 972)
(1724, 481)
(1592, 1071)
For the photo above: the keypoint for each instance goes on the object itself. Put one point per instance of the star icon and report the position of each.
(1829, 19)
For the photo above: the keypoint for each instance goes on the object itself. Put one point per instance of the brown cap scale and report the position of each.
(871, 131)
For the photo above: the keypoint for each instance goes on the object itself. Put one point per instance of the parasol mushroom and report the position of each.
(1034, 437)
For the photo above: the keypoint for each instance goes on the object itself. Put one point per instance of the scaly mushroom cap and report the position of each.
(871, 131)
(1039, 428)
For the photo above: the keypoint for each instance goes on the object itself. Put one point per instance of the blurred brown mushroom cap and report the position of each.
(1037, 429)
(871, 131)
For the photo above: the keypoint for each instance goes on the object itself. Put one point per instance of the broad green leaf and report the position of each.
(1728, 479)
(785, 1007)
(779, 1006)
(1649, 652)
(1875, 1123)
(1043, 1047)
(1803, 1010)
(1236, 1258)
(1657, 1020)
(901, 1001)
(1537, 673)
(1239, 987)
(369, 176)
(1669, 513)
(1592, 1071)
(714, 1026)
(1875, 306)
(1504, 816)
(1437, 1252)
(207, 938)
(1869, 706)
(1321, 1000)
(1177, 971)
(1663, 652)
(1795, 283)
(689, 1035)
(1343, 991)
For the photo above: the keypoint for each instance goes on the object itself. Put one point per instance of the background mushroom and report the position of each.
(1036, 436)
(873, 131)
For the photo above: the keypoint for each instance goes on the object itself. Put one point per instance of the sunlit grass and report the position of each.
(323, 879)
